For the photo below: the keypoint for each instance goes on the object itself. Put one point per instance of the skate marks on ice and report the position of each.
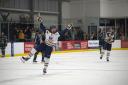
(70, 69)
(32, 77)
(19, 72)
(20, 78)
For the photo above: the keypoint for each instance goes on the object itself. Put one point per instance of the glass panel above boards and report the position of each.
(119, 25)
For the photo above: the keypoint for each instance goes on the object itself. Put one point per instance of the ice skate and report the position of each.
(34, 61)
(107, 59)
(23, 59)
(44, 71)
(101, 56)
(42, 61)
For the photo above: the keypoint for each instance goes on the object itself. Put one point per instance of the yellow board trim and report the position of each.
(69, 51)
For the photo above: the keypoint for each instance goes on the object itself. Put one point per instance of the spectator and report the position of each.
(28, 34)
(65, 37)
(16, 34)
(21, 36)
(95, 36)
(85, 36)
(73, 33)
(33, 35)
(79, 34)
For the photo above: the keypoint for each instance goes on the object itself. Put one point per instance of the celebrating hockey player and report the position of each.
(109, 39)
(51, 39)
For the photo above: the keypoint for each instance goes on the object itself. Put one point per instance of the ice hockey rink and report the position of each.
(78, 68)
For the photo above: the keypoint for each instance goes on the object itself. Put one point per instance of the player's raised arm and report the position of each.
(42, 27)
(68, 28)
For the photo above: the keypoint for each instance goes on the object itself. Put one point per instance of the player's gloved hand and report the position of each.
(69, 26)
(40, 19)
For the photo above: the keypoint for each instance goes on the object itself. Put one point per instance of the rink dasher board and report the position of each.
(68, 51)
(18, 48)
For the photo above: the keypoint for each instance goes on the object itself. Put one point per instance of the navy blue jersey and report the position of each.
(38, 39)
(42, 27)
(101, 36)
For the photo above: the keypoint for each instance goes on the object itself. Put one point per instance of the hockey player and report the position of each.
(39, 39)
(51, 39)
(3, 43)
(109, 39)
(101, 37)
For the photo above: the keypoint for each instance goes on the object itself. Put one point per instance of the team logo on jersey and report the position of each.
(50, 37)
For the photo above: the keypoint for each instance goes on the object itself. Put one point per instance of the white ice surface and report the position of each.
(83, 68)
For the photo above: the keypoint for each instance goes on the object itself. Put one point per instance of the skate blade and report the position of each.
(35, 62)
(42, 62)
(108, 60)
(100, 58)
(44, 73)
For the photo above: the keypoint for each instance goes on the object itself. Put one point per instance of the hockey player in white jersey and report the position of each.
(109, 39)
(51, 39)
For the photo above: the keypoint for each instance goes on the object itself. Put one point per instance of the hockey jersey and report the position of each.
(101, 36)
(38, 39)
(51, 39)
(109, 38)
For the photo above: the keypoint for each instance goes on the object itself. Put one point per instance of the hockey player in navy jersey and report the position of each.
(109, 39)
(39, 39)
(101, 37)
(51, 39)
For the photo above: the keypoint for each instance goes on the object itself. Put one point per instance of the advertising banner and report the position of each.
(28, 46)
(74, 45)
(124, 43)
(93, 43)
